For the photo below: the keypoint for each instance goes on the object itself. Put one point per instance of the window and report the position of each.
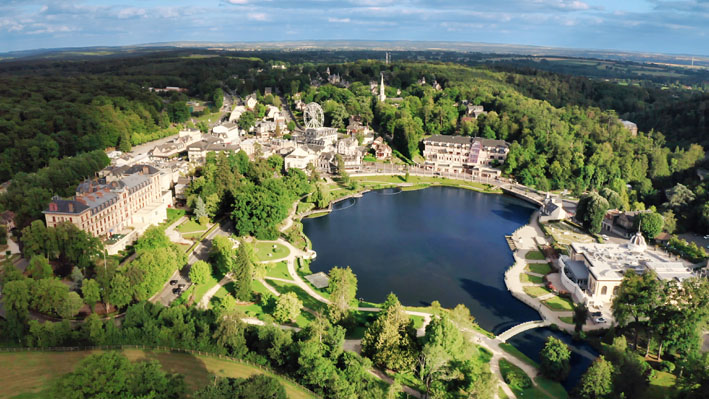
(604, 290)
(615, 290)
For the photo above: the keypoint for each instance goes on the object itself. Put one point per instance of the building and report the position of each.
(322, 136)
(459, 154)
(197, 152)
(228, 132)
(251, 102)
(236, 113)
(347, 147)
(382, 96)
(299, 158)
(552, 209)
(631, 126)
(620, 223)
(381, 149)
(7, 219)
(593, 272)
(475, 110)
(127, 204)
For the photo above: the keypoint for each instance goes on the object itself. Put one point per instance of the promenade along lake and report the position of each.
(440, 243)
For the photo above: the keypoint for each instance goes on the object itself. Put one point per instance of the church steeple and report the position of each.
(382, 96)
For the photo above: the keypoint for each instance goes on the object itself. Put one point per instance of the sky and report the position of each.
(659, 26)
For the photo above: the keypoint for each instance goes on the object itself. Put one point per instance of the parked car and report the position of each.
(599, 320)
(706, 237)
(173, 282)
(176, 291)
(605, 237)
(596, 314)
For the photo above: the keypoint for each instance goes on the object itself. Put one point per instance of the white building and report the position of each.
(299, 158)
(236, 113)
(228, 132)
(593, 272)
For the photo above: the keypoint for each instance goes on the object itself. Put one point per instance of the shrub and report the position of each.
(667, 366)
(514, 378)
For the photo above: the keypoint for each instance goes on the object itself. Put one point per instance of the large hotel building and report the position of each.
(460, 154)
(125, 202)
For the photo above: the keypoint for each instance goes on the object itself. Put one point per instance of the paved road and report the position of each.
(166, 296)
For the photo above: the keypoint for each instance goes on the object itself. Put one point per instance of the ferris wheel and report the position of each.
(313, 116)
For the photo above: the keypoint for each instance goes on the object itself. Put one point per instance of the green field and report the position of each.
(661, 386)
(29, 375)
(308, 301)
(278, 270)
(539, 268)
(528, 278)
(535, 255)
(262, 249)
(190, 226)
(512, 350)
(535, 291)
(559, 303)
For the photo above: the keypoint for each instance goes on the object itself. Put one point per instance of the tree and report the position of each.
(613, 198)
(287, 308)
(679, 196)
(112, 375)
(39, 268)
(390, 340)
(670, 221)
(590, 211)
(3, 235)
(343, 290)
(16, 299)
(555, 359)
(200, 272)
(246, 121)
(77, 277)
(229, 333)
(70, 306)
(153, 238)
(258, 386)
(222, 254)
(321, 197)
(200, 210)
(218, 98)
(636, 298)
(121, 293)
(580, 315)
(650, 224)
(91, 291)
(243, 271)
(597, 381)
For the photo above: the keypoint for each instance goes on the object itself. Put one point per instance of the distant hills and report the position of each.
(400, 45)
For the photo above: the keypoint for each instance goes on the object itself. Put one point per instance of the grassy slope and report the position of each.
(30, 374)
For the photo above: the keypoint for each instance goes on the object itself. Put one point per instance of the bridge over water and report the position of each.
(520, 328)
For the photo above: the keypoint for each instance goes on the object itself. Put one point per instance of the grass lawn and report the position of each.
(567, 320)
(512, 350)
(363, 319)
(184, 247)
(539, 268)
(308, 301)
(172, 215)
(279, 270)
(535, 255)
(418, 321)
(199, 290)
(30, 374)
(662, 386)
(501, 393)
(256, 287)
(559, 303)
(528, 278)
(263, 249)
(304, 207)
(535, 291)
(553, 388)
(190, 226)
(506, 368)
(191, 236)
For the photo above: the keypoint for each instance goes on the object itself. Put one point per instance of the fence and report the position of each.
(163, 348)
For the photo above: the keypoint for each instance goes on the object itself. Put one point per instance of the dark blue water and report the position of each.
(582, 355)
(442, 244)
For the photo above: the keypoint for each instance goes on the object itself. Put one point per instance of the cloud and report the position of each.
(257, 16)
(239, 2)
(339, 20)
(131, 13)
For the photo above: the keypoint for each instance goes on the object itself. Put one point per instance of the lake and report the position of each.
(440, 243)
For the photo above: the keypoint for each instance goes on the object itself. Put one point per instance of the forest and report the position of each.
(563, 129)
